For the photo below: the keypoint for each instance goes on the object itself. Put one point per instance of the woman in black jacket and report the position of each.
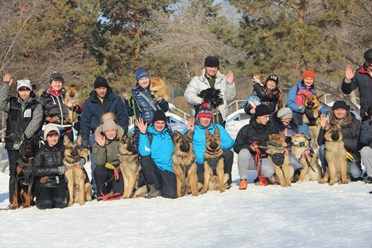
(49, 170)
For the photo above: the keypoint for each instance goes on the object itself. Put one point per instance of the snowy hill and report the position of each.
(305, 215)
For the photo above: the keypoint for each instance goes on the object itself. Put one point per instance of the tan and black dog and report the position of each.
(276, 149)
(159, 88)
(336, 156)
(72, 96)
(23, 192)
(214, 174)
(130, 168)
(79, 187)
(311, 170)
(184, 165)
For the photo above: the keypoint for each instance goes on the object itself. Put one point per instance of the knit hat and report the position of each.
(273, 77)
(24, 83)
(211, 61)
(159, 116)
(205, 111)
(262, 109)
(100, 82)
(141, 73)
(56, 76)
(340, 104)
(50, 127)
(368, 55)
(284, 113)
(309, 73)
(109, 125)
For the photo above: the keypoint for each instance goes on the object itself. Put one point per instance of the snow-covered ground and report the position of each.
(304, 215)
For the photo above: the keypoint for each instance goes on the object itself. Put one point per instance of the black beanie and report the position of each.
(274, 78)
(211, 61)
(262, 109)
(100, 82)
(159, 116)
(56, 76)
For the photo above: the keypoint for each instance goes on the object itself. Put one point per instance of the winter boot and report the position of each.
(262, 181)
(243, 184)
(153, 192)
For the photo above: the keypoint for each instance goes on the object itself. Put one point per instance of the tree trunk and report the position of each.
(301, 11)
(138, 35)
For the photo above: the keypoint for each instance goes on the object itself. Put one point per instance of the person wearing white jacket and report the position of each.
(211, 77)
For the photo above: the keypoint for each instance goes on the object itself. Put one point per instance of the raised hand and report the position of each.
(229, 77)
(323, 121)
(8, 78)
(349, 72)
(191, 124)
(100, 140)
(142, 126)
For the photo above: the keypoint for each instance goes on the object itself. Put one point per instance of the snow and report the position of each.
(304, 215)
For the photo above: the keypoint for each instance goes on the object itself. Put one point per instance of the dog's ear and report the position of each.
(189, 134)
(79, 140)
(66, 140)
(176, 135)
(207, 133)
(217, 133)
(319, 96)
(123, 137)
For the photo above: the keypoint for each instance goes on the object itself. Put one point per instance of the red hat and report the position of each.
(205, 111)
(309, 73)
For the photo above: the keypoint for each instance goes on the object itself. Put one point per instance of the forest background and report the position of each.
(85, 38)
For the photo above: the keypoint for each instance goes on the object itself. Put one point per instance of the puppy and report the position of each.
(184, 165)
(79, 187)
(311, 170)
(335, 154)
(276, 149)
(72, 96)
(214, 163)
(24, 181)
(311, 117)
(211, 96)
(159, 89)
(130, 168)
(258, 78)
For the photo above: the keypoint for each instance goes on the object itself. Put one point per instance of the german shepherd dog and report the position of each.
(184, 165)
(130, 168)
(214, 176)
(311, 117)
(276, 147)
(311, 170)
(72, 96)
(24, 180)
(78, 185)
(335, 154)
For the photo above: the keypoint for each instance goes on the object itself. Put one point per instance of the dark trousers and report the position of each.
(229, 159)
(52, 197)
(165, 181)
(13, 156)
(106, 182)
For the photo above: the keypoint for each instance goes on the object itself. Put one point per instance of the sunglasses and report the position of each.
(24, 89)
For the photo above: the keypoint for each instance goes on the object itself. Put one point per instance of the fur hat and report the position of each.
(109, 125)
(56, 76)
(159, 116)
(141, 73)
(205, 111)
(262, 109)
(368, 55)
(284, 113)
(340, 104)
(24, 83)
(100, 82)
(48, 128)
(211, 61)
(108, 116)
(309, 73)
(273, 77)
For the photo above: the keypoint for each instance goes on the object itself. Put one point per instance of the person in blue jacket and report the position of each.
(202, 123)
(141, 103)
(156, 150)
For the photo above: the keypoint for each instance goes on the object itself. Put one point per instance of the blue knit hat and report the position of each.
(141, 73)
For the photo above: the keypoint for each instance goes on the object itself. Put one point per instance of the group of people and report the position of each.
(104, 119)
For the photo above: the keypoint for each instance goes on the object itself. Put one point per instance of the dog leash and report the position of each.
(308, 163)
(110, 196)
(258, 159)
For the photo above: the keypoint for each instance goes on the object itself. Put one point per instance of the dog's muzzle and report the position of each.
(335, 136)
(185, 147)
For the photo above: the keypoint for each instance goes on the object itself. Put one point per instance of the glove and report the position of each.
(61, 170)
(86, 143)
(159, 99)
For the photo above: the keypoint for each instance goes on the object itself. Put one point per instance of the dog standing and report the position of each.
(79, 187)
(214, 162)
(24, 180)
(276, 149)
(130, 168)
(72, 96)
(159, 88)
(311, 170)
(184, 165)
(335, 154)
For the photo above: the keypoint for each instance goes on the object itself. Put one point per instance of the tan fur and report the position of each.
(284, 173)
(314, 129)
(79, 189)
(335, 154)
(130, 168)
(184, 165)
(300, 143)
(213, 150)
(72, 96)
(159, 88)
(258, 78)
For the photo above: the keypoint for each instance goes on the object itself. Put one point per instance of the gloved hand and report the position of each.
(86, 143)
(159, 99)
(61, 170)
